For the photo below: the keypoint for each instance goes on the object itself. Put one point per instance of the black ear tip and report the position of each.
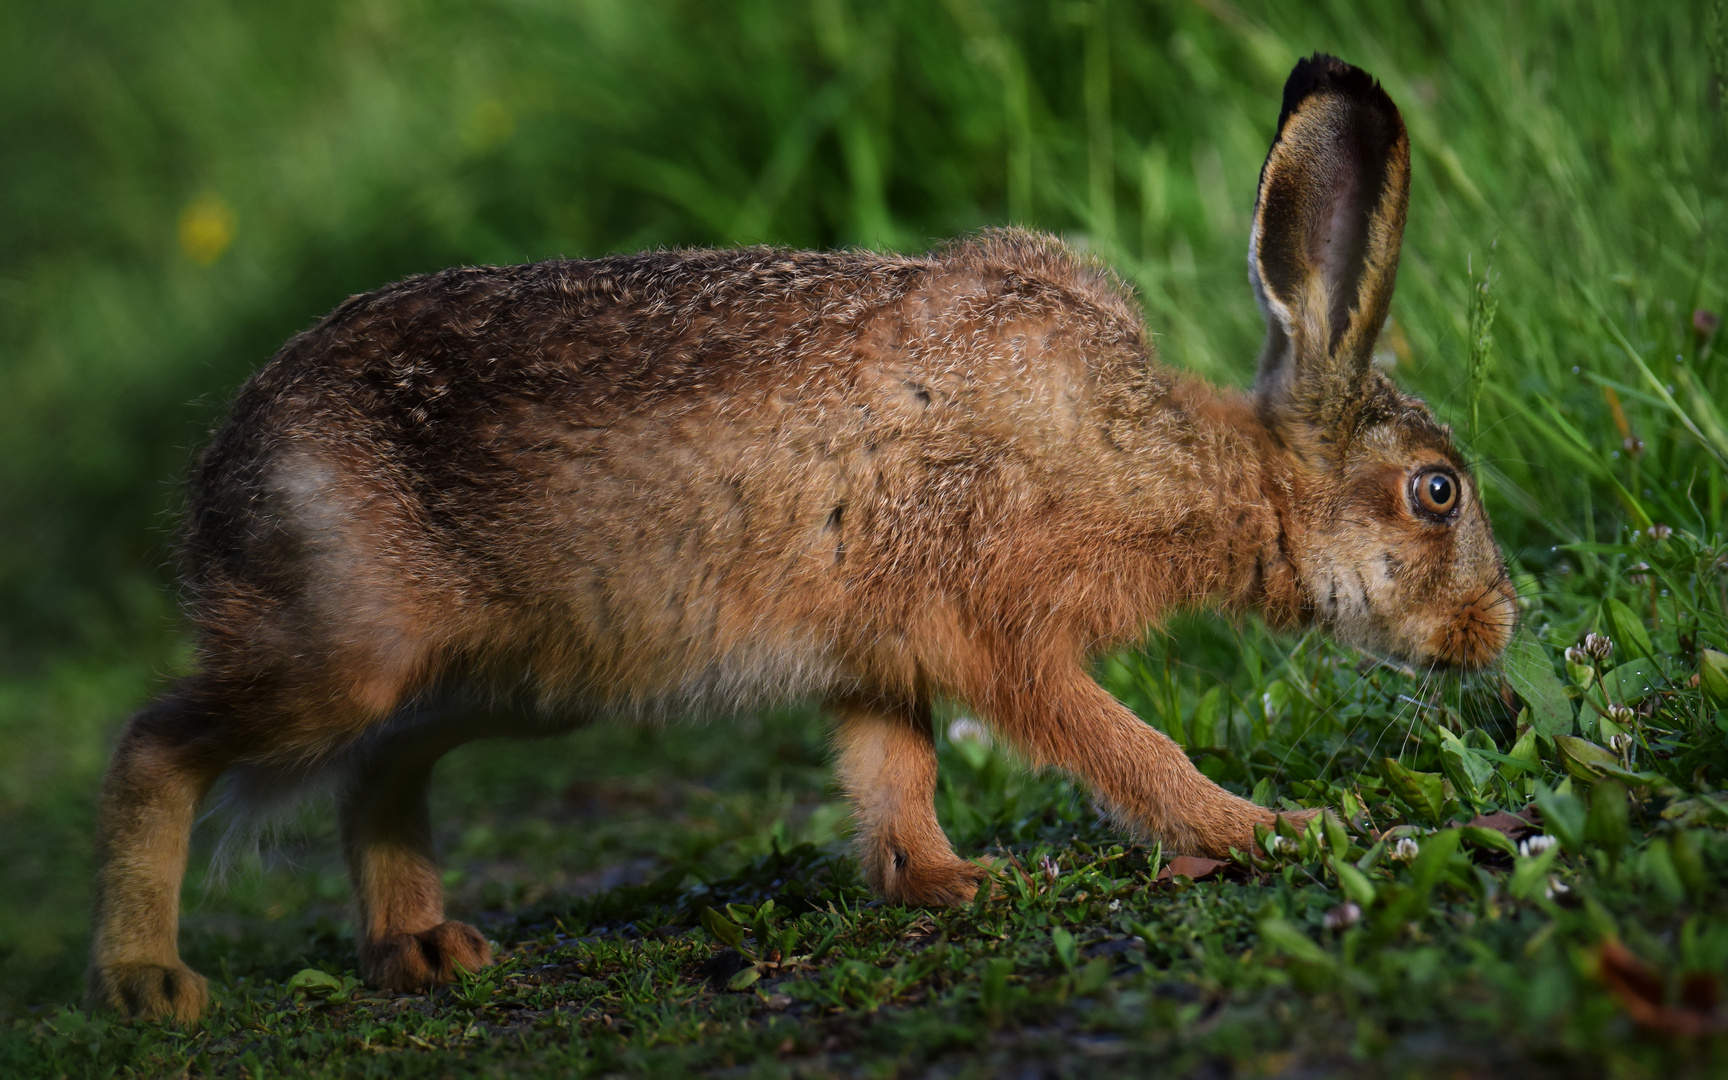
(1323, 73)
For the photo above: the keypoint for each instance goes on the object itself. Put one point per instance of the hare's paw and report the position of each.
(410, 962)
(949, 883)
(150, 991)
(1222, 827)
(1242, 836)
(1298, 818)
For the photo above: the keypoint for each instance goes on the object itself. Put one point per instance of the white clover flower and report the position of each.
(1277, 846)
(1114, 905)
(1406, 849)
(1620, 744)
(1660, 531)
(1620, 714)
(1344, 915)
(1598, 645)
(1051, 870)
(965, 729)
(1536, 845)
(1575, 655)
(1555, 885)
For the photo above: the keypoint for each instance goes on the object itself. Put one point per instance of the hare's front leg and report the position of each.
(1065, 719)
(406, 943)
(167, 759)
(887, 764)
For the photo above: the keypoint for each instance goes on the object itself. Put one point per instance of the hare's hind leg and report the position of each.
(887, 764)
(167, 758)
(405, 942)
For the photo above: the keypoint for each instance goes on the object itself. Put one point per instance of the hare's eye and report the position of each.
(1436, 492)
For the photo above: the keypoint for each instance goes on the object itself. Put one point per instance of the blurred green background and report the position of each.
(185, 185)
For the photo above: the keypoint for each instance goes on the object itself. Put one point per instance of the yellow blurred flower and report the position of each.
(490, 124)
(206, 228)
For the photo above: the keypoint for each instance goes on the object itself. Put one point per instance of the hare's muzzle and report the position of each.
(1478, 631)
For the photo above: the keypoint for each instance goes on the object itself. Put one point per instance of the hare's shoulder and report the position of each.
(1041, 270)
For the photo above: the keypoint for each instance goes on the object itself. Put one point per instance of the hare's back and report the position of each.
(440, 385)
(442, 388)
(667, 456)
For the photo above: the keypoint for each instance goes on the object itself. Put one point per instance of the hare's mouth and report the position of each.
(1343, 603)
(1466, 637)
(1345, 608)
(1480, 629)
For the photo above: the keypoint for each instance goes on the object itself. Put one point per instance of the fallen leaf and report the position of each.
(1515, 826)
(1700, 990)
(1641, 992)
(1189, 866)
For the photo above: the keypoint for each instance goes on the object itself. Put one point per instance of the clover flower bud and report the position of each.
(1575, 655)
(1598, 645)
(1405, 849)
(1536, 845)
(1343, 916)
(1620, 714)
(1556, 886)
(966, 729)
(1660, 531)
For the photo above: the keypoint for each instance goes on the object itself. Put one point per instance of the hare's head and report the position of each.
(1387, 530)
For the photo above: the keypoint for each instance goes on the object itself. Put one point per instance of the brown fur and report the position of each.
(701, 481)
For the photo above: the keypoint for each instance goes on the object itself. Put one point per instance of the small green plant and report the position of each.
(1479, 359)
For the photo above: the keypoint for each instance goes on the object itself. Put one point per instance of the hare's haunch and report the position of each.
(505, 501)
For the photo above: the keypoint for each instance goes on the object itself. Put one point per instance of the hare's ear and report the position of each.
(1324, 249)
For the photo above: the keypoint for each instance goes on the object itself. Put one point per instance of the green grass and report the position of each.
(188, 184)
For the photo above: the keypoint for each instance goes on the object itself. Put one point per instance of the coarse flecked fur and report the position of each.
(702, 481)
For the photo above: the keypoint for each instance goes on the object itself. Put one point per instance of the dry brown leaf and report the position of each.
(1514, 826)
(1642, 993)
(1189, 866)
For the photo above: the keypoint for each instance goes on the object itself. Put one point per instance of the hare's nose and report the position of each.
(1483, 626)
(1480, 629)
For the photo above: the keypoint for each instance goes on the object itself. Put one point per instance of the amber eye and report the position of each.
(1436, 492)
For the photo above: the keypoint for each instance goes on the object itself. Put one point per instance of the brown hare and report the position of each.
(693, 482)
